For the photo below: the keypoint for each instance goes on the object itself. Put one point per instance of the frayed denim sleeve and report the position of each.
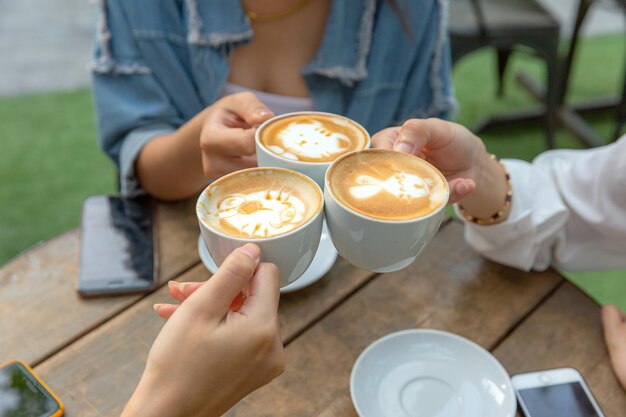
(131, 106)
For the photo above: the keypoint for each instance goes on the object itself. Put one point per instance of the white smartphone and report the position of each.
(555, 392)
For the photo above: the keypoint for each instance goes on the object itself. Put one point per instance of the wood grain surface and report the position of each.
(449, 287)
(95, 376)
(40, 311)
(566, 331)
(92, 352)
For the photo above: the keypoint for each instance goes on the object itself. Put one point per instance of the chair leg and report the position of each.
(621, 112)
(503, 60)
(552, 99)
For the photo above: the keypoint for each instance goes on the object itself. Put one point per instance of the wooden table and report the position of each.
(92, 352)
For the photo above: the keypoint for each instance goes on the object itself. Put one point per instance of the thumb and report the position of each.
(385, 138)
(612, 321)
(432, 134)
(216, 295)
(248, 107)
(263, 293)
(413, 137)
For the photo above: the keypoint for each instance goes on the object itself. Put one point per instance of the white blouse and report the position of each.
(568, 210)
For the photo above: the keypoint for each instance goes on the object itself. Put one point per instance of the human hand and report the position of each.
(227, 135)
(207, 356)
(472, 175)
(614, 323)
(450, 147)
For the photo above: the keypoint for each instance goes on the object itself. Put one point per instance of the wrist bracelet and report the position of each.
(501, 214)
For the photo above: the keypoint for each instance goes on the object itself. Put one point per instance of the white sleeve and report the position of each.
(568, 210)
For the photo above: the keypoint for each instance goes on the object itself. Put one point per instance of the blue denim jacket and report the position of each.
(160, 62)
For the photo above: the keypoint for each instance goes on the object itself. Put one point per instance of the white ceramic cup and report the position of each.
(313, 170)
(291, 252)
(374, 244)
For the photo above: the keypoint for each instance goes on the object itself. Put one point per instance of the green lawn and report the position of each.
(49, 163)
(50, 160)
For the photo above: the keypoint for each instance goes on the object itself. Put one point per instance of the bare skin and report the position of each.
(614, 323)
(179, 165)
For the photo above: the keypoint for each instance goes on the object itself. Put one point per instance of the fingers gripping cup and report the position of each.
(383, 207)
(277, 209)
(308, 142)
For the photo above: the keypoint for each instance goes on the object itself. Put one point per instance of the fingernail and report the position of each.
(181, 287)
(251, 250)
(264, 112)
(403, 147)
(156, 307)
(462, 188)
(172, 284)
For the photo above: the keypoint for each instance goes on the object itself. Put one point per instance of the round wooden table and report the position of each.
(92, 352)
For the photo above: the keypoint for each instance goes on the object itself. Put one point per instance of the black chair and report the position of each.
(569, 114)
(621, 106)
(504, 25)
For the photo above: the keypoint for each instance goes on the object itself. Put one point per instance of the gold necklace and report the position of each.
(256, 17)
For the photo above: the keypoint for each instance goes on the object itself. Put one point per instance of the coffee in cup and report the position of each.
(388, 186)
(278, 209)
(308, 142)
(383, 207)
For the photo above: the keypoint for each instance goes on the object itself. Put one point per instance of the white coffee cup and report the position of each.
(292, 252)
(314, 170)
(374, 244)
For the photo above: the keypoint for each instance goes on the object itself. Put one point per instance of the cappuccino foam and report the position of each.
(387, 185)
(313, 137)
(259, 203)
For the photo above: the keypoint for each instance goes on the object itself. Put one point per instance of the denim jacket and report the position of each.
(160, 62)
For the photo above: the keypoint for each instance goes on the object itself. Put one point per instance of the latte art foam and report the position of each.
(388, 185)
(260, 203)
(402, 185)
(262, 213)
(313, 137)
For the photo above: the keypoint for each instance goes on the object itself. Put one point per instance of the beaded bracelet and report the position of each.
(501, 214)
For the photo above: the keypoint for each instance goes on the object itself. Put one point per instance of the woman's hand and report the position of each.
(217, 141)
(614, 322)
(227, 136)
(472, 175)
(208, 356)
(450, 147)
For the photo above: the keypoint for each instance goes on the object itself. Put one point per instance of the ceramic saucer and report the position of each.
(324, 259)
(430, 373)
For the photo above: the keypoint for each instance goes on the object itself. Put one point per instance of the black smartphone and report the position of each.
(118, 246)
(23, 394)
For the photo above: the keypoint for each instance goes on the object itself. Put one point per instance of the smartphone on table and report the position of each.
(23, 394)
(118, 246)
(555, 392)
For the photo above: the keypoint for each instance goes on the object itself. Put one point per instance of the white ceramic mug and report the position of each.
(374, 244)
(313, 170)
(291, 252)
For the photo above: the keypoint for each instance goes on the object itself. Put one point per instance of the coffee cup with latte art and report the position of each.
(279, 210)
(383, 207)
(308, 142)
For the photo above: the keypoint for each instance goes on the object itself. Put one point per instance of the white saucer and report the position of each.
(430, 373)
(324, 259)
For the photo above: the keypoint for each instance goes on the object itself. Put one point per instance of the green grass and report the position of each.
(49, 163)
(50, 160)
